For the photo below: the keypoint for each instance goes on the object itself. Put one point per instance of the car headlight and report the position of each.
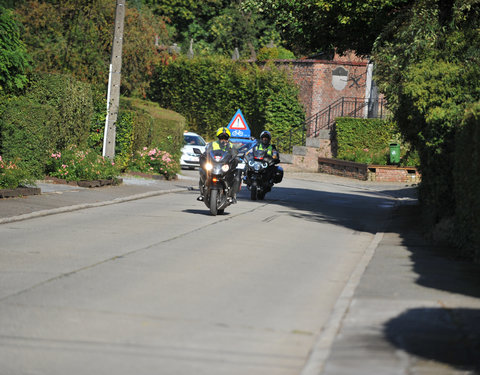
(225, 167)
(208, 166)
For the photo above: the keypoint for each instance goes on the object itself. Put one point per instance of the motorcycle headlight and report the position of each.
(208, 166)
(257, 166)
(225, 167)
(265, 165)
(250, 163)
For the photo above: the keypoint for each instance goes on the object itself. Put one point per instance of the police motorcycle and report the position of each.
(218, 170)
(261, 173)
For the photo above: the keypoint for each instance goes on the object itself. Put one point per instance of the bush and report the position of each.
(74, 164)
(155, 161)
(209, 91)
(27, 133)
(72, 101)
(367, 141)
(12, 175)
(467, 182)
(274, 53)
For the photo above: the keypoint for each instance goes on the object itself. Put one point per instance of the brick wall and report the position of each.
(343, 168)
(320, 87)
(393, 174)
(368, 172)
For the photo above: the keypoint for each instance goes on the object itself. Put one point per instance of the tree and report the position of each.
(216, 26)
(427, 64)
(75, 37)
(14, 60)
(312, 26)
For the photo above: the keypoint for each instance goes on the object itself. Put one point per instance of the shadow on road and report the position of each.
(364, 212)
(445, 334)
(450, 336)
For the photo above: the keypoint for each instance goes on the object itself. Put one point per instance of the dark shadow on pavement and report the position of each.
(443, 334)
(450, 336)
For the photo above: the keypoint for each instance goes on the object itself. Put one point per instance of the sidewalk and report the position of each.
(410, 308)
(56, 198)
(416, 310)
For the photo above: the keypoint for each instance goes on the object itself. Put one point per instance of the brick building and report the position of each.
(324, 82)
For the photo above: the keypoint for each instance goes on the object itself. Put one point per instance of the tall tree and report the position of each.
(75, 36)
(14, 59)
(312, 26)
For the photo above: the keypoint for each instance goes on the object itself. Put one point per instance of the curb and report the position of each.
(323, 343)
(77, 207)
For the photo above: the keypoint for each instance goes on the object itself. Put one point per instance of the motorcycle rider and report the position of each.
(271, 150)
(222, 143)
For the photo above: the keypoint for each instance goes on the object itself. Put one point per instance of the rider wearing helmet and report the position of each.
(222, 143)
(265, 139)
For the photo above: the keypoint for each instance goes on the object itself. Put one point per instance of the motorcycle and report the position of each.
(260, 173)
(218, 173)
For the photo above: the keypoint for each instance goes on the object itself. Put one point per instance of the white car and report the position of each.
(189, 158)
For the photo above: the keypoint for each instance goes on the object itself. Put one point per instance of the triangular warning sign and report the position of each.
(238, 126)
(238, 123)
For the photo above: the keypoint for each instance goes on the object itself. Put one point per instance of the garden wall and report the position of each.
(365, 172)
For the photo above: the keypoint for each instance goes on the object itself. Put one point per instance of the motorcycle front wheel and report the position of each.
(213, 202)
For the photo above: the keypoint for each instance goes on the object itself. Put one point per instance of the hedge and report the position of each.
(467, 183)
(367, 141)
(144, 124)
(28, 132)
(72, 101)
(209, 90)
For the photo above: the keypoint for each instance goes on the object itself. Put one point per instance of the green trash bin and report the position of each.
(394, 153)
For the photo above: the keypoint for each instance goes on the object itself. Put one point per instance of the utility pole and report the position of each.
(113, 95)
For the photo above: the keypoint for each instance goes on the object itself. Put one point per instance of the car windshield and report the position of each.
(193, 140)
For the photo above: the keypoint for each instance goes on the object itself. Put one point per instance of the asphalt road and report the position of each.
(159, 286)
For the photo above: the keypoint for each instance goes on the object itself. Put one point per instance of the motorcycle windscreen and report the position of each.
(259, 154)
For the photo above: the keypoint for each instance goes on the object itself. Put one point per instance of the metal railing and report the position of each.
(325, 120)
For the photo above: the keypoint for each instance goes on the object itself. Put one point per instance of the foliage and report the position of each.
(155, 161)
(72, 101)
(367, 141)
(14, 60)
(76, 38)
(215, 26)
(154, 126)
(466, 183)
(274, 53)
(12, 175)
(75, 164)
(427, 66)
(267, 96)
(310, 26)
(27, 131)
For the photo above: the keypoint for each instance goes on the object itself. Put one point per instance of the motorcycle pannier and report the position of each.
(278, 175)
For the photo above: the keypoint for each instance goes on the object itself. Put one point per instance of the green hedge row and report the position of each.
(55, 111)
(467, 183)
(208, 92)
(367, 141)
(144, 124)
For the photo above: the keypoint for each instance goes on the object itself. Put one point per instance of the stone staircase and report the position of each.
(305, 158)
